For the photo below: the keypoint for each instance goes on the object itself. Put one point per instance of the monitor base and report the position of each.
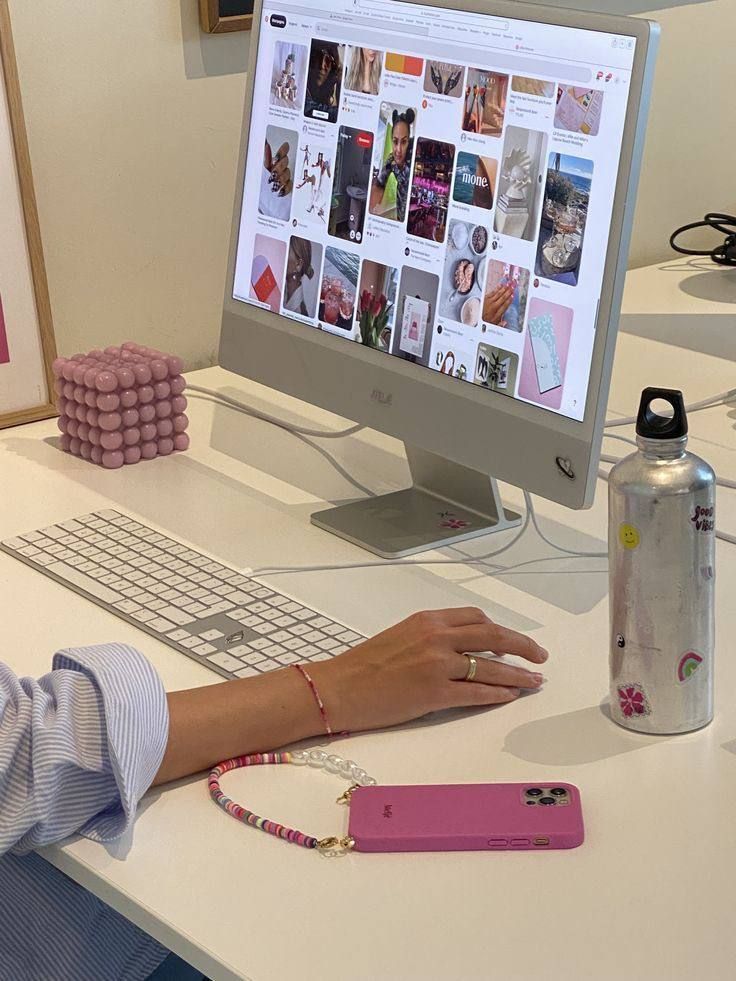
(447, 503)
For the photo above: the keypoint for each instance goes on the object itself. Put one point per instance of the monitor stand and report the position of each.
(446, 504)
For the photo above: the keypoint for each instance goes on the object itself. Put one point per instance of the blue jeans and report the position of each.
(175, 969)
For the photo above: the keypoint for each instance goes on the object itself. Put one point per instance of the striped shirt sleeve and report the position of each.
(78, 747)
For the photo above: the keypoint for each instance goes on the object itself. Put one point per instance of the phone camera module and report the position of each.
(547, 800)
(534, 792)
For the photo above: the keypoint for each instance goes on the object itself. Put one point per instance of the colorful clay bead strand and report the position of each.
(314, 758)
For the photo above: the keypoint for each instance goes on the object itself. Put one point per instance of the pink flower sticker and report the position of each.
(454, 523)
(632, 701)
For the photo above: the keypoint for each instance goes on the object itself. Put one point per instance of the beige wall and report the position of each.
(134, 141)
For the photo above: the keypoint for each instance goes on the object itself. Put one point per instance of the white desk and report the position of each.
(648, 896)
(687, 301)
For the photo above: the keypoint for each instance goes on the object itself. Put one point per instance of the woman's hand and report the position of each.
(497, 303)
(419, 666)
(416, 667)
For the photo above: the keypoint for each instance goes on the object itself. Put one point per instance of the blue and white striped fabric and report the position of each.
(78, 749)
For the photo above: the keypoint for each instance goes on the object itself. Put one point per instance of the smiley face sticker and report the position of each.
(629, 536)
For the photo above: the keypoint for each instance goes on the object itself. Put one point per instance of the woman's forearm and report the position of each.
(415, 667)
(216, 722)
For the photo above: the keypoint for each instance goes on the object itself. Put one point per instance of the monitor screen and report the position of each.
(437, 185)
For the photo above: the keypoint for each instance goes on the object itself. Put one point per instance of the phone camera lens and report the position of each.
(547, 800)
(532, 802)
(558, 792)
(534, 792)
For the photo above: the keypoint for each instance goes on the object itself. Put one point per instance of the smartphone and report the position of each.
(466, 817)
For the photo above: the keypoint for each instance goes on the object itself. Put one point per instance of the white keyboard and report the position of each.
(227, 621)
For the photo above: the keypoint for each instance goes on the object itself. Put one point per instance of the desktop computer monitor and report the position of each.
(430, 236)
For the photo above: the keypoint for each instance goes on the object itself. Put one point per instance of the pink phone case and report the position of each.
(466, 817)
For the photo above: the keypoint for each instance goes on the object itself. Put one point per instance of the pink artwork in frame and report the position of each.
(4, 352)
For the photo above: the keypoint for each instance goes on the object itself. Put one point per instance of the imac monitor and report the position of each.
(430, 237)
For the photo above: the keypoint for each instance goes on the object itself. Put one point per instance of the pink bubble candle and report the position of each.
(121, 405)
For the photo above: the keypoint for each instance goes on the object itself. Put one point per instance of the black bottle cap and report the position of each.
(650, 425)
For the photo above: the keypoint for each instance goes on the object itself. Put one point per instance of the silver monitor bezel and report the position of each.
(421, 406)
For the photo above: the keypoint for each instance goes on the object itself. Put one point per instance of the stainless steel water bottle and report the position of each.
(661, 548)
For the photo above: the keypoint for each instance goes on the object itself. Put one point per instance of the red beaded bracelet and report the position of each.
(320, 704)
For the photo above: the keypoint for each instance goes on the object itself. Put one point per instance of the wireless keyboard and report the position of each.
(226, 621)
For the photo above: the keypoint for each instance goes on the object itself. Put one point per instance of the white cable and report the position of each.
(708, 403)
(559, 548)
(530, 516)
(387, 563)
(274, 420)
(621, 439)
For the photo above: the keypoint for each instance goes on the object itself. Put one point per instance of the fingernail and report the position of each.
(545, 653)
(537, 678)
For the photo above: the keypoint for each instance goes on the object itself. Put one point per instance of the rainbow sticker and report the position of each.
(689, 664)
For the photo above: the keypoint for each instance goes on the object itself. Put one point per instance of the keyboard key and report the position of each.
(274, 650)
(319, 622)
(285, 621)
(333, 629)
(292, 607)
(30, 552)
(222, 607)
(91, 586)
(263, 628)
(309, 651)
(246, 673)
(300, 629)
(222, 660)
(294, 644)
(144, 616)
(160, 625)
(252, 622)
(204, 648)
(211, 634)
(349, 637)
(279, 637)
(252, 657)
(190, 642)
(328, 645)
(262, 593)
(288, 658)
(32, 536)
(177, 616)
(322, 656)
(127, 606)
(302, 613)
(179, 635)
(272, 616)
(260, 643)
(313, 636)
(238, 597)
(156, 604)
(280, 601)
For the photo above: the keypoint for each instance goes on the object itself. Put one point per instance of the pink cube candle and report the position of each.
(121, 405)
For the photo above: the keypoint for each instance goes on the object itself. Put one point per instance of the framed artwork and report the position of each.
(222, 16)
(27, 345)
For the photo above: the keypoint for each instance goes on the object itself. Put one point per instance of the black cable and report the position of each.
(724, 254)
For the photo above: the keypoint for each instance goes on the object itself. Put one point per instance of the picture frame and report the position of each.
(224, 16)
(27, 345)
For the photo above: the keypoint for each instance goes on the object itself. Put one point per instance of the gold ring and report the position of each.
(472, 668)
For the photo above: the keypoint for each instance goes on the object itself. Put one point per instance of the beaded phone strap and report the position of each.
(315, 758)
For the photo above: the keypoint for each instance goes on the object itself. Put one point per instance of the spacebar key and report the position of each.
(89, 585)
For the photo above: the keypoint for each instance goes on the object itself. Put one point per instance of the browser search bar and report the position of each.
(482, 56)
